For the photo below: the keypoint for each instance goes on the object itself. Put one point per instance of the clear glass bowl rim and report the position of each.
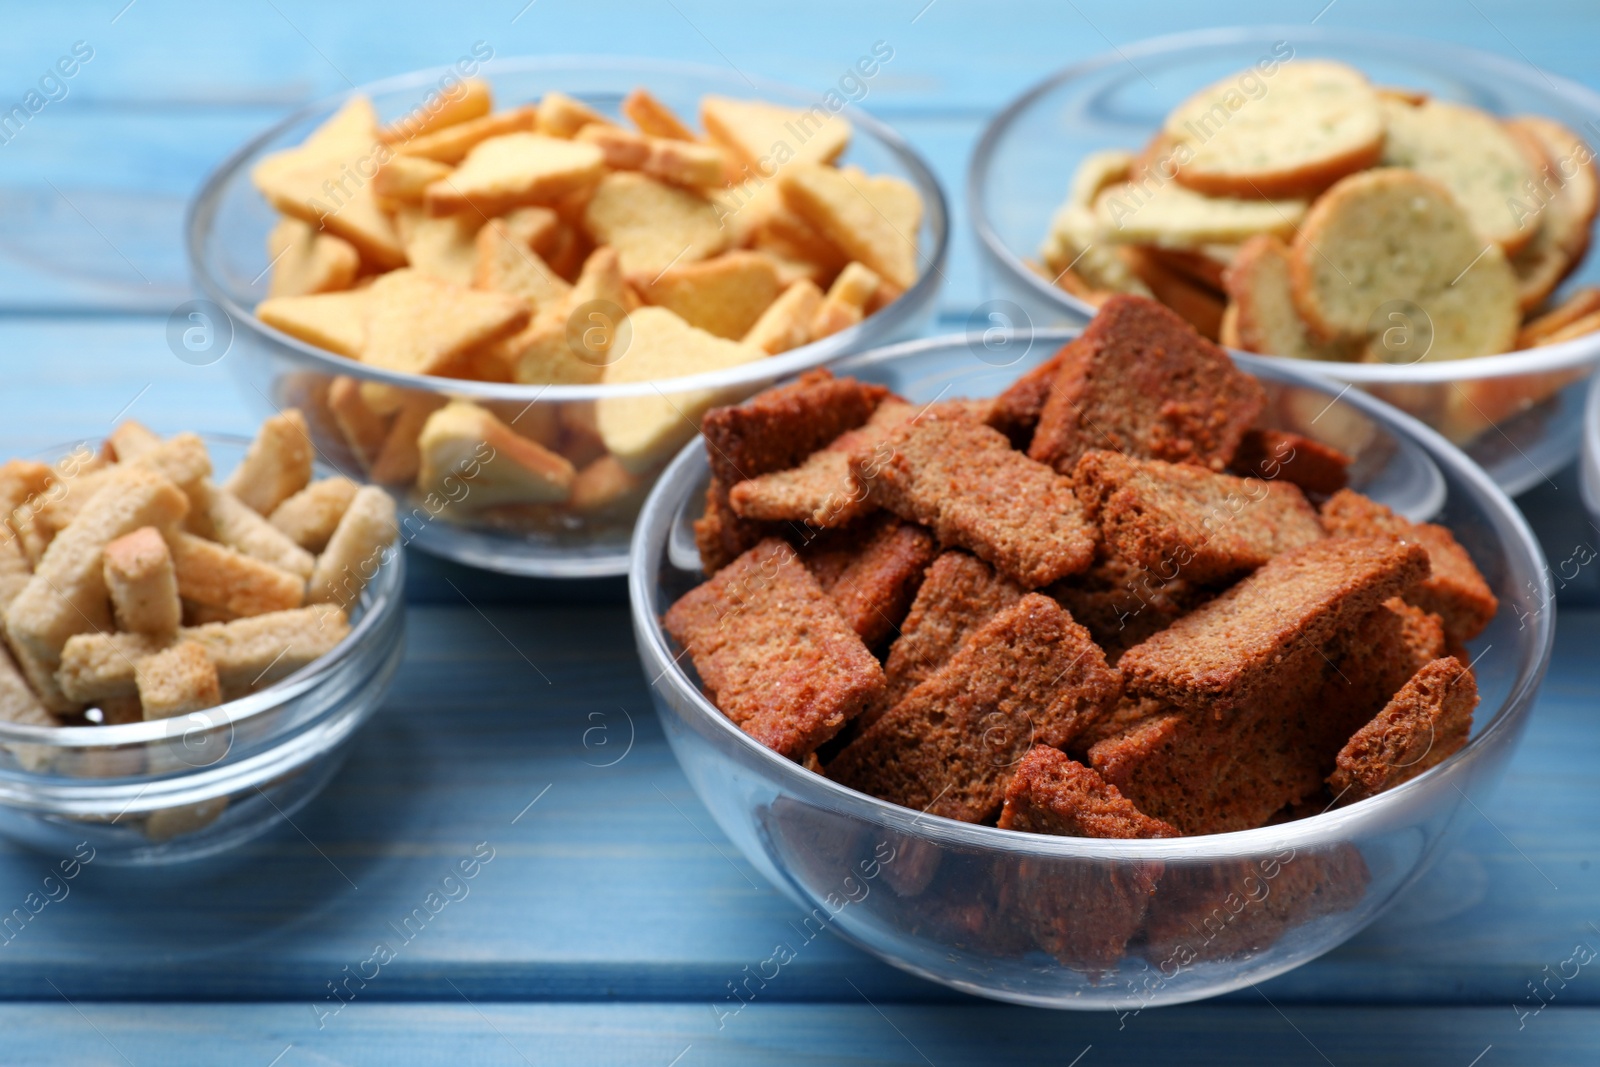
(661, 509)
(203, 208)
(1464, 60)
(387, 596)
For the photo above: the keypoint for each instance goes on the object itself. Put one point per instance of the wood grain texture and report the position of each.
(617, 884)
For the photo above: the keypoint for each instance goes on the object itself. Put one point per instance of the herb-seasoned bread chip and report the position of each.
(1313, 122)
(1345, 270)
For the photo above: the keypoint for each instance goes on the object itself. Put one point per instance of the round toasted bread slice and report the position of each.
(1262, 315)
(1293, 134)
(1579, 304)
(1393, 235)
(1470, 153)
(1567, 188)
(1073, 245)
(1151, 211)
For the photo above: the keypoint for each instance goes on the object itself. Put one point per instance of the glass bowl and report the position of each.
(194, 785)
(1024, 160)
(227, 228)
(976, 907)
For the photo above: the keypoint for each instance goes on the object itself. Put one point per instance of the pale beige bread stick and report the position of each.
(248, 653)
(177, 680)
(199, 614)
(216, 575)
(130, 440)
(165, 824)
(42, 678)
(20, 480)
(309, 517)
(18, 704)
(242, 528)
(67, 593)
(277, 465)
(362, 541)
(142, 583)
(786, 323)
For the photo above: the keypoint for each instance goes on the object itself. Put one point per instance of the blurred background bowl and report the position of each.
(194, 785)
(1039, 919)
(228, 225)
(1517, 414)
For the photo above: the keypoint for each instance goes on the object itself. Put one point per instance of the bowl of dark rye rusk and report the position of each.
(507, 289)
(1406, 217)
(1164, 726)
(195, 629)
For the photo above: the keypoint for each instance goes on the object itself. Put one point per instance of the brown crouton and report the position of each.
(1124, 604)
(1280, 455)
(965, 482)
(1454, 589)
(872, 573)
(959, 595)
(1209, 774)
(1030, 676)
(1141, 381)
(1427, 722)
(822, 491)
(1218, 655)
(1371, 660)
(1178, 520)
(773, 652)
(1051, 793)
(774, 431)
(1016, 411)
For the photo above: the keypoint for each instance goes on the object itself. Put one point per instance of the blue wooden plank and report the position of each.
(616, 883)
(667, 1035)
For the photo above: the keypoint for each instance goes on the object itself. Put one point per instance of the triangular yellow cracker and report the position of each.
(505, 264)
(463, 102)
(419, 325)
(652, 225)
(441, 246)
(305, 261)
(643, 431)
(518, 168)
(406, 178)
(335, 321)
(724, 295)
(768, 137)
(466, 443)
(451, 144)
(327, 182)
(851, 217)
(562, 116)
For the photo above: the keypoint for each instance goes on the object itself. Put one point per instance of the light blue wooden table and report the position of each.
(614, 912)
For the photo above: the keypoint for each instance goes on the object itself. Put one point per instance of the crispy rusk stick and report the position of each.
(130, 440)
(18, 704)
(359, 544)
(20, 481)
(177, 680)
(218, 576)
(248, 653)
(240, 527)
(142, 583)
(183, 461)
(310, 516)
(41, 677)
(278, 464)
(67, 594)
